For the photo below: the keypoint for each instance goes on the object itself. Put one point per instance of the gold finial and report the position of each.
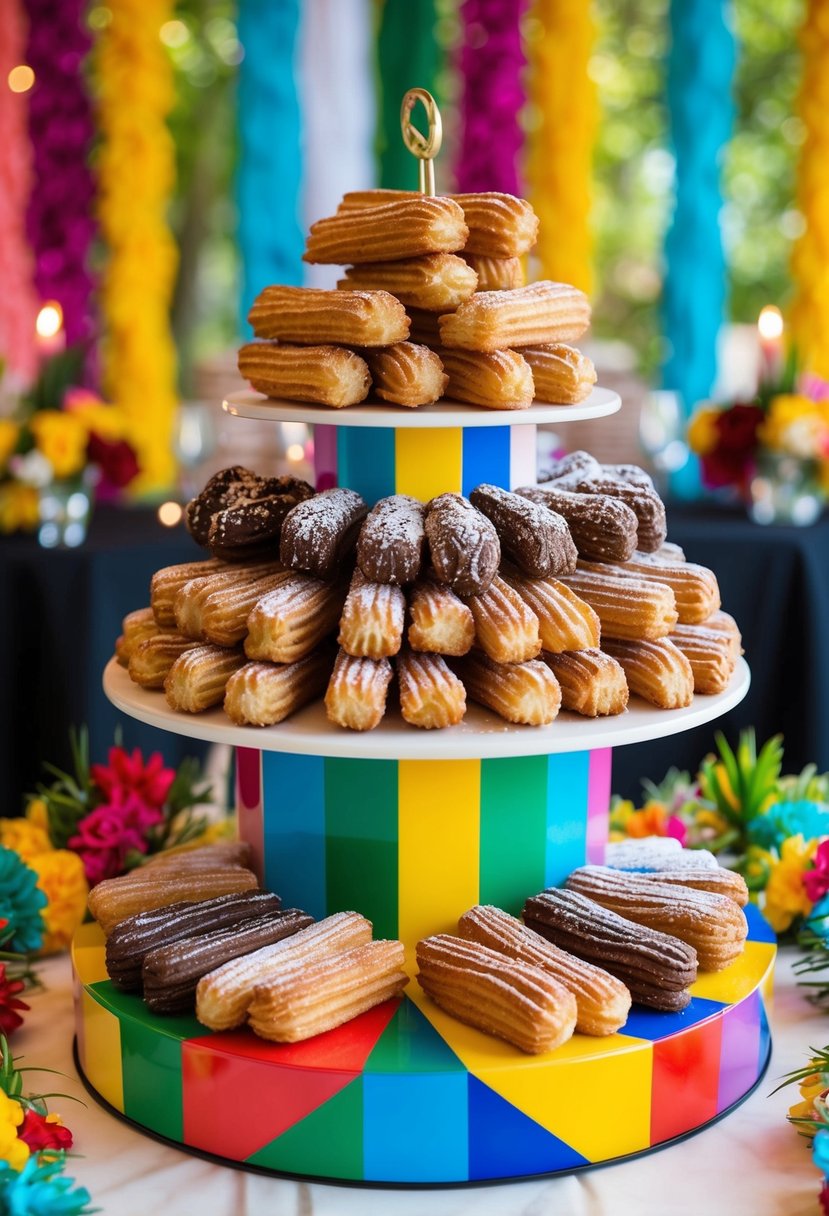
(424, 147)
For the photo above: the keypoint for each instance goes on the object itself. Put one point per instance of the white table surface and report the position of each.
(750, 1164)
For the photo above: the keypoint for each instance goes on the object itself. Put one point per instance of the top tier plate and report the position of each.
(600, 403)
(480, 735)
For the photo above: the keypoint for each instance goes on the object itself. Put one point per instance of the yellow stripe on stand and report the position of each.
(428, 461)
(102, 1058)
(437, 842)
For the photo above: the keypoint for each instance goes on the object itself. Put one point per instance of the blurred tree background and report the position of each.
(633, 168)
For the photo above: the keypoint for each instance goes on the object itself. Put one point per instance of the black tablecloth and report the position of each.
(60, 612)
(775, 581)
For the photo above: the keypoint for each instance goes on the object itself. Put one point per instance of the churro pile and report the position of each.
(561, 595)
(192, 932)
(433, 303)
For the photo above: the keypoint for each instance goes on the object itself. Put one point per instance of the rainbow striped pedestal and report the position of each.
(413, 843)
(406, 1095)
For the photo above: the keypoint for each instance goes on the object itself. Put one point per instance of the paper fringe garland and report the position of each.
(18, 303)
(269, 175)
(564, 114)
(810, 257)
(136, 168)
(60, 220)
(492, 96)
(700, 71)
(408, 56)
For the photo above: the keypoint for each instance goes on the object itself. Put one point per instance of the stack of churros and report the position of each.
(432, 303)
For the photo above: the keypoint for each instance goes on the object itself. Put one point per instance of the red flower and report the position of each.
(115, 458)
(128, 774)
(44, 1132)
(823, 1197)
(10, 1006)
(737, 428)
(816, 881)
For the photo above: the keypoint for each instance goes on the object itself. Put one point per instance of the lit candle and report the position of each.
(770, 331)
(51, 336)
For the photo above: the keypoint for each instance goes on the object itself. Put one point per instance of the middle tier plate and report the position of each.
(480, 735)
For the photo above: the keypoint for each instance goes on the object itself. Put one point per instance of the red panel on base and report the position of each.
(686, 1073)
(228, 1110)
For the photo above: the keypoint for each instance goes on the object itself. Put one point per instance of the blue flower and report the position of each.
(40, 1189)
(820, 1150)
(807, 819)
(21, 901)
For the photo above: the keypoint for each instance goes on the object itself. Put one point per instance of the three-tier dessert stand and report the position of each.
(411, 828)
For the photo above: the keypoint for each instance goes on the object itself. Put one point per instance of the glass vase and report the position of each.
(785, 490)
(64, 508)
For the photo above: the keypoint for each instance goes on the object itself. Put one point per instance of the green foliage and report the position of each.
(741, 783)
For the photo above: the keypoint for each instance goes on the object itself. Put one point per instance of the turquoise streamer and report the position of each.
(269, 173)
(700, 72)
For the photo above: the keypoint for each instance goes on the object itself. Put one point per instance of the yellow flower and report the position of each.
(702, 430)
(62, 439)
(786, 897)
(38, 814)
(13, 1150)
(9, 434)
(105, 420)
(24, 837)
(18, 507)
(61, 876)
(797, 425)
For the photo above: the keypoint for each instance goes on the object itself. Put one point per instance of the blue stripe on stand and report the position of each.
(568, 780)
(365, 461)
(486, 457)
(293, 798)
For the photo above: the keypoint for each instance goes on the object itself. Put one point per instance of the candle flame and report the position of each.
(770, 322)
(49, 320)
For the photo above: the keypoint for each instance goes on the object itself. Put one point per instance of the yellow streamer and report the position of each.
(564, 116)
(136, 175)
(810, 257)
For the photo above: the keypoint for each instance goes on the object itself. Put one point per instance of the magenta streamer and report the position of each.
(59, 221)
(492, 95)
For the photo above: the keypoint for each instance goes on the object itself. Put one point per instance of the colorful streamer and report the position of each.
(18, 304)
(409, 56)
(810, 258)
(136, 170)
(336, 43)
(560, 161)
(700, 71)
(492, 96)
(270, 164)
(60, 219)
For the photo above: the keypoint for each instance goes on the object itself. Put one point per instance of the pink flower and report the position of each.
(128, 774)
(816, 881)
(676, 828)
(106, 835)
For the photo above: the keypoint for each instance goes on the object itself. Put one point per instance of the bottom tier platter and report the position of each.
(406, 1095)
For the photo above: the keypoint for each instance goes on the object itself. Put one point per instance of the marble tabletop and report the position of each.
(752, 1162)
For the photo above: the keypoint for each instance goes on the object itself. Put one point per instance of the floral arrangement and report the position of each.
(788, 421)
(96, 822)
(774, 828)
(811, 1114)
(33, 1146)
(59, 431)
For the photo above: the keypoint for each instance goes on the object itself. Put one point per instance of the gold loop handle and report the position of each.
(424, 147)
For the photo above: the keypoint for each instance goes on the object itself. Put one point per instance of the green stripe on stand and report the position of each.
(327, 1142)
(513, 830)
(361, 840)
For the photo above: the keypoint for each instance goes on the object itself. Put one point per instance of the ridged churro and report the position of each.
(307, 316)
(403, 228)
(506, 628)
(496, 274)
(655, 670)
(152, 659)
(371, 625)
(114, 899)
(322, 375)
(592, 683)
(289, 622)
(524, 693)
(440, 621)
(561, 373)
(167, 582)
(565, 622)
(627, 607)
(710, 653)
(407, 374)
(602, 528)
(198, 678)
(536, 539)
(356, 693)
(431, 695)
(192, 597)
(262, 694)
(528, 316)
(496, 380)
(437, 283)
(695, 588)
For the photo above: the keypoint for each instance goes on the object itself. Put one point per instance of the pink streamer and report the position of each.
(60, 219)
(18, 303)
(491, 64)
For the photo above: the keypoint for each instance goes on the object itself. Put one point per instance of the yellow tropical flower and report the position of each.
(38, 814)
(24, 837)
(702, 430)
(12, 1149)
(9, 434)
(105, 420)
(60, 875)
(786, 897)
(18, 507)
(797, 425)
(62, 439)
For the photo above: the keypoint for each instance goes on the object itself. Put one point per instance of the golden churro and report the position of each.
(561, 373)
(496, 380)
(262, 694)
(431, 695)
(356, 693)
(528, 316)
(496, 274)
(198, 678)
(440, 621)
(310, 317)
(437, 283)
(524, 693)
(627, 607)
(371, 625)
(592, 683)
(289, 622)
(323, 375)
(565, 622)
(407, 374)
(655, 670)
(506, 628)
(403, 228)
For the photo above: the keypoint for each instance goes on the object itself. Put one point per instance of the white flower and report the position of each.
(33, 469)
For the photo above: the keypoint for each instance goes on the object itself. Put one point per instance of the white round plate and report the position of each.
(600, 403)
(481, 735)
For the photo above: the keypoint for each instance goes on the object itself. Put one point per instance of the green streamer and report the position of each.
(409, 56)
